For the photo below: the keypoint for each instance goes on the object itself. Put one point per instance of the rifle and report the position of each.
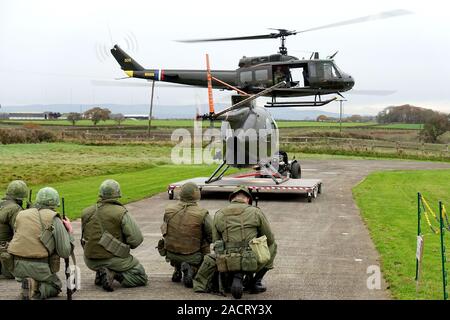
(67, 263)
(29, 199)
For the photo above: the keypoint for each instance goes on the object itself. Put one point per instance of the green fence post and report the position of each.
(419, 197)
(444, 272)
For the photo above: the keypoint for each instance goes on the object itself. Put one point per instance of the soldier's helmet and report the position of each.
(190, 192)
(47, 197)
(243, 190)
(110, 189)
(17, 190)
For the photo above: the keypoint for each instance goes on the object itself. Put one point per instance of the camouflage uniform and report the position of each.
(40, 240)
(234, 226)
(109, 219)
(187, 231)
(10, 206)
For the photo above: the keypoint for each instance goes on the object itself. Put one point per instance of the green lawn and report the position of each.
(409, 126)
(80, 193)
(388, 203)
(55, 162)
(187, 123)
(183, 123)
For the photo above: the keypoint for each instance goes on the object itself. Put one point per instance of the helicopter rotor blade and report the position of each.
(261, 36)
(378, 16)
(380, 93)
(147, 84)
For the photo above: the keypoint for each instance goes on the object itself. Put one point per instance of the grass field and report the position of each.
(80, 193)
(388, 203)
(77, 170)
(187, 123)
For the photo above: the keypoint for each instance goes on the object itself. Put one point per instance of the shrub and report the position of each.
(12, 136)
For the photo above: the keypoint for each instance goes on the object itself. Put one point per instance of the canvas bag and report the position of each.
(260, 249)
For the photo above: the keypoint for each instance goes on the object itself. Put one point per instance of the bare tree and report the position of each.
(74, 117)
(118, 118)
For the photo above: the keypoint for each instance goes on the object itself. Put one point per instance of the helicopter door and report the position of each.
(298, 76)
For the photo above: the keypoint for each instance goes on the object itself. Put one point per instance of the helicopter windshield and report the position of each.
(324, 69)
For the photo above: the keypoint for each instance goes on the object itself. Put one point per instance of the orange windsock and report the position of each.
(210, 93)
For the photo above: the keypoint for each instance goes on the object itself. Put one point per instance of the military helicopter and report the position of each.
(261, 76)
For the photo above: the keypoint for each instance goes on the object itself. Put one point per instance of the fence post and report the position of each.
(444, 272)
(419, 198)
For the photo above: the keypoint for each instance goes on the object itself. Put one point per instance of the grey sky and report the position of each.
(49, 49)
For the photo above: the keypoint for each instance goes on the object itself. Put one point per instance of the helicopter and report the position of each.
(276, 75)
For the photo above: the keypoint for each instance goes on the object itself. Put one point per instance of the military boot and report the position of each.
(188, 274)
(29, 289)
(237, 287)
(98, 278)
(177, 274)
(258, 286)
(118, 277)
(107, 279)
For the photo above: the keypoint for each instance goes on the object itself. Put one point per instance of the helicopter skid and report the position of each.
(291, 104)
(309, 187)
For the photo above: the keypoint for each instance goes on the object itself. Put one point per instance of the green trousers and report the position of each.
(5, 272)
(203, 279)
(130, 268)
(49, 284)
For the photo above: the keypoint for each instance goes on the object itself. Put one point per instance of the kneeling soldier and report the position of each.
(187, 234)
(236, 228)
(40, 240)
(10, 206)
(108, 233)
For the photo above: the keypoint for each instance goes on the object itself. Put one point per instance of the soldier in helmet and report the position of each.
(187, 231)
(108, 234)
(10, 206)
(41, 238)
(234, 227)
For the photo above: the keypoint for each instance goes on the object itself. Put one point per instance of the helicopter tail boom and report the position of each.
(126, 63)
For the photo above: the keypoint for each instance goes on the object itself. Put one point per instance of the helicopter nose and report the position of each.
(349, 82)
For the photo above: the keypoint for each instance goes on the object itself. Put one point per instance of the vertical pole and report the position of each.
(340, 116)
(419, 198)
(151, 109)
(444, 272)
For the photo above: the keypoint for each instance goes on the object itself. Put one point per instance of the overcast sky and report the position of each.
(50, 51)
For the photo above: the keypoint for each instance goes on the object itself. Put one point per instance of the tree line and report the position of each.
(96, 115)
(435, 123)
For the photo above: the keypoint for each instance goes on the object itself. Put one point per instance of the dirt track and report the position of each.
(324, 248)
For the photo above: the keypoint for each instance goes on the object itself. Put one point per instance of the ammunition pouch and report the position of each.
(47, 240)
(235, 256)
(54, 262)
(162, 247)
(113, 245)
(249, 261)
(6, 259)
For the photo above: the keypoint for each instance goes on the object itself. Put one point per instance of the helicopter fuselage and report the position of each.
(306, 77)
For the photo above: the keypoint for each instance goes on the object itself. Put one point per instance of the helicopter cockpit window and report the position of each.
(261, 75)
(324, 69)
(246, 76)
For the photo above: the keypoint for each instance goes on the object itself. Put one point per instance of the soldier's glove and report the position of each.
(67, 224)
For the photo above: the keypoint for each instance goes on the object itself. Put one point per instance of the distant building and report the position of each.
(136, 116)
(30, 115)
